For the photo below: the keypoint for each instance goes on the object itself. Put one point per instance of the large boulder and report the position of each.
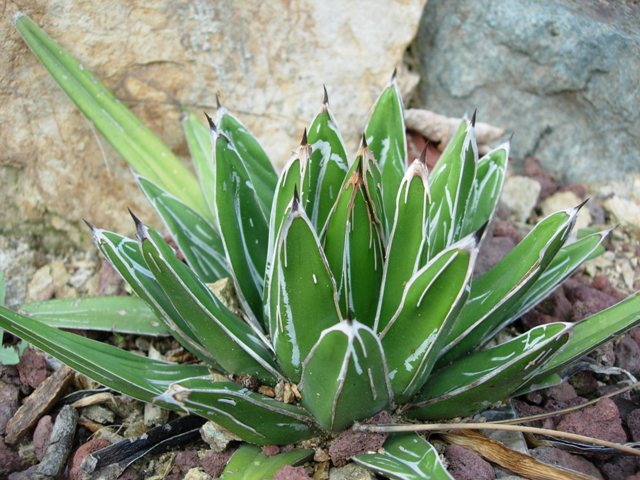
(267, 60)
(562, 75)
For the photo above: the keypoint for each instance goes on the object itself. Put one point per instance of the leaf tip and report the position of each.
(473, 117)
(325, 96)
(394, 76)
(423, 155)
(141, 229)
(295, 202)
(363, 142)
(218, 103)
(212, 125)
(304, 141)
(17, 17)
(90, 225)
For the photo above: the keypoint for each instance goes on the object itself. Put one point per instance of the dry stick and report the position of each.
(542, 416)
(433, 427)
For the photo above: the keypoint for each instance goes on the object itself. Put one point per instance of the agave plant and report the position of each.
(354, 277)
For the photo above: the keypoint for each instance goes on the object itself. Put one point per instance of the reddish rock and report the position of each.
(214, 462)
(271, 450)
(601, 282)
(584, 383)
(291, 473)
(27, 474)
(561, 393)
(41, 435)
(466, 465)
(620, 466)
(186, 460)
(75, 462)
(533, 169)
(492, 251)
(8, 404)
(416, 143)
(633, 422)
(534, 319)
(560, 458)
(578, 188)
(601, 420)
(350, 443)
(10, 461)
(502, 228)
(628, 355)
(109, 280)
(586, 300)
(32, 368)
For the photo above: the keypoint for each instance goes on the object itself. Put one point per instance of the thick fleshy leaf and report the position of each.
(138, 145)
(199, 143)
(430, 303)
(196, 238)
(303, 300)
(235, 345)
(354, 246)
(482, 378)
(125, 256)
(9, 355)
(592, 332)
(243, 223)
(256, 162)
(407, 241)
(387, 140)
(406, 456)
(328, 166)
(131, 374)
(253, 417)
(344, 378)
(3, 288)
(249, 463)
(451, 184)
(486, 190)
(565, 263)
(494, 294)
(107, 314)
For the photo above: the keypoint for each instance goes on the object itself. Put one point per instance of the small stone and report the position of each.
(226, 293)
(466, 465)
(32, 368)
(563, 392)
(60, 443)
(41, 285)
(533, 169)
(291, 473)
(75, 462)
(320, 455)
(197, 474)
(601, 420)
(266, 390)
(560, 458)
(350, 442)
(135, 429)
(214, 462)
(351, 471)
(271, 450)
(41, 435)
(633, 422)
(520, 195)
(626, 210)
(186, 460)
(99, 414)
(564, 200)
(10, 461)
(59, 277)
(8, 403)
(155, 416)
(628, 355)
(492, 251)
(217, 437)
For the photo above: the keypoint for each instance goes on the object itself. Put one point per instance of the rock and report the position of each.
(8, 404)
(154, 416)
(351, 471)
(502, 228)
(466, 465)
(99, 414)
(271, 450)
(291, 473)
(520, 196)
(186, 460)
(533, 169)
(350, 442)
(197, 474)
(624, 210)
(560, 458)
(32, 368)
(585, 299)
(28, 474)
(564, 200)
(158, 58)
(620, 466)
(560, 74)
(214, 462)
(41, 285)
(633, 422)
(491, 252)
(563, 392)
(217, 437)
(60, 443)
(75, 462)
(41, 436)
(628, 355)
(601, 420)
(59, 277)
(10, 461)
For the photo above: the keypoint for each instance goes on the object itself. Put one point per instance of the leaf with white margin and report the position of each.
(249, 463)
(430, 304)
(477, 381)
(253, 417)
(406, 456)
(199, 143)
(195, 236)
(303, 298)
(344, 378)
(407, 240)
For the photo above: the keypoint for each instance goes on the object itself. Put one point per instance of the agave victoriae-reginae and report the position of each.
(355, 276)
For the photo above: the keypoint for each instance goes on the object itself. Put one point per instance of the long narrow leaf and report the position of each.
(199, 143)
(249, 463)
(123, 130)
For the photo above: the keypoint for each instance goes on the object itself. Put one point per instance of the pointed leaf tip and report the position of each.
(90, 225)
(582, 204)
(218, 104)
(295, 202)
(212, 125)
(363, 141)
(423, 155)
(394, 76)
(473, 117)
(325, 97)
(304, 142)
(480, 232)
(141, 229)
(17, 17)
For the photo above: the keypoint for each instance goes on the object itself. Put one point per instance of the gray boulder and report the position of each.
(563, 75)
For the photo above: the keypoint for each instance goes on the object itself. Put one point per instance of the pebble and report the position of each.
(99, 414)
(601, 420)
(560, 458)
(60, 443)
(350, 471)
(626, 210)
(520, 195)
(41, 436)
(40, 286)
(197, 474)
(291, 473)
(564, 200)
(466, 465)
(78, 457)
(217, 437)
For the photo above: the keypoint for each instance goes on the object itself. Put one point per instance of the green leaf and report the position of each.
(138, 145)
(486, 189)
(451, 185)
(406, 457)
(107, 314)
(235, 345)
(131, 374)
(328, 166)
(253, 417)
(494, 295)
(125, 256)
(243, 224)
(249, 463)
(387, 140)
(199, 143)
(592, 332)
(430, 303)
(353, 244)
(344, 377)
(303, 299)
(482, 378)
(3, 288)
(256, 162)
(407, 241)
(196, 238)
